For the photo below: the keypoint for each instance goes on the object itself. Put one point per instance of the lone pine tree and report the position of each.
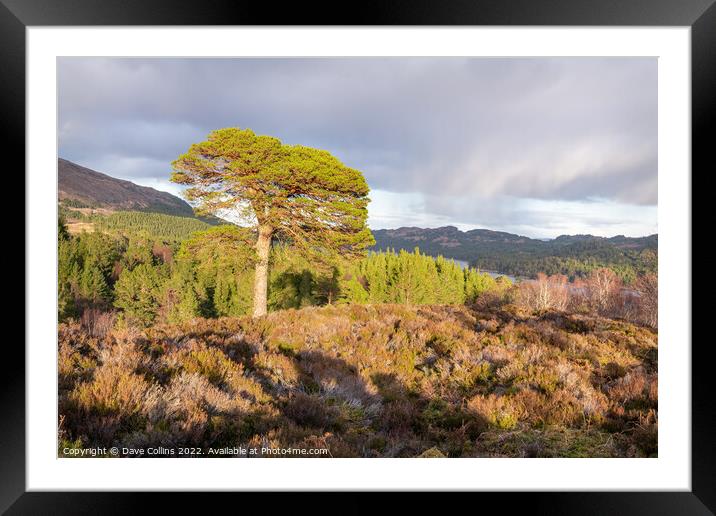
(302, 195)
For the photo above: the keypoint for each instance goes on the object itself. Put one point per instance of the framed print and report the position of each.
(460, 233)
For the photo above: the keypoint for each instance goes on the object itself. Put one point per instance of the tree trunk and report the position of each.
(263, 247)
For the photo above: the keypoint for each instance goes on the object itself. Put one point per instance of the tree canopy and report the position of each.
(306, 195)
(298, 194)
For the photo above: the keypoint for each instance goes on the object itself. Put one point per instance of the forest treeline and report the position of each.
(575, 261)
(157, 226)
(151, 274)
(155, 268)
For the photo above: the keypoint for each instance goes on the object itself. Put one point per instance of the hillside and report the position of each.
(367, 381)
(88, 188)
(450, 241)
(572, 255)
(157, 226)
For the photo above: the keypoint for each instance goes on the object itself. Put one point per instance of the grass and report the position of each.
(368, 381)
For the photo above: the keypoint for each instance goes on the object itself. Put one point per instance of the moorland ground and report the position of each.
(366, 381)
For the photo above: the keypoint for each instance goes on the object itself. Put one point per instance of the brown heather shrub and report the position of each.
(126, 333)
(279, 370)
(192, 410)
(653, 389)
(497, 411)
(369, 381)
(560, 408)
(112, 390)
(190, 394)
(73, 366)
(311, 411)
(496, 355)
(123, 355)
(96, 322)
(210, 363)
(644, 436)
(635, 385)
(397, 417)
(491, 325)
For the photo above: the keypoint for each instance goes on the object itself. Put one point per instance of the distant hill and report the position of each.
(448, 240)
(93, 189)
(572, 255)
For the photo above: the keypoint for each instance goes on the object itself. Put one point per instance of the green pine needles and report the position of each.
(301, 195)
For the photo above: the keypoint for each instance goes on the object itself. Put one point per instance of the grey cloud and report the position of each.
(543, 128)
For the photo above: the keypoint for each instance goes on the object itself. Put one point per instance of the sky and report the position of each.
(535, 146)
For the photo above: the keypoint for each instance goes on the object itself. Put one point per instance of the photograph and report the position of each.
(357, 257)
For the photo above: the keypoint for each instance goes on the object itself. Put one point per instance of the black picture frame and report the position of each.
(700, 15)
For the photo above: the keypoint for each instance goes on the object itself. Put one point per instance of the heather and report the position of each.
(490, 379)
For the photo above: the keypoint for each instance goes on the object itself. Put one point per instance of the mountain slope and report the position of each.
(92, 188)
(450, 241)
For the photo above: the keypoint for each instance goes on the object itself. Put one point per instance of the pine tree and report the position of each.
(221, 259)
(327, 287)
(62, 233)
(181, 299)
(139, 292)
(139, 250)
(68, 277)
(476, 284)
(306, 287)
(93, 285)
(353, 292)
(376, 273)
(303, 195)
